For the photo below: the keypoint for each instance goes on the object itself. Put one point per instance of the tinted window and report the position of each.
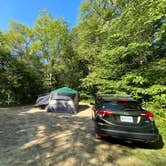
(130, 105)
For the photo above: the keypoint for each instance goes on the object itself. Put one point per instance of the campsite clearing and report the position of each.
(31, 136)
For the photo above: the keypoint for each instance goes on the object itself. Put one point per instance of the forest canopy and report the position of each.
(118, 46)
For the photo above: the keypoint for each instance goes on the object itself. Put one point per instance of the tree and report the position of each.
(127, 51)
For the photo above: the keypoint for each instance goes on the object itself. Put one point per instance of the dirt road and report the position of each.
(33, 137)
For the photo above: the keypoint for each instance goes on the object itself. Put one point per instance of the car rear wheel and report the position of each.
(157, 144)
(93, 115)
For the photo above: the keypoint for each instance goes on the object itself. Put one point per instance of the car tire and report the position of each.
(93, 115)
(158, 144)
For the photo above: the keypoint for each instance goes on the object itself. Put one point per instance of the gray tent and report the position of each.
(59, 103)
(60, 100)
(42, 100)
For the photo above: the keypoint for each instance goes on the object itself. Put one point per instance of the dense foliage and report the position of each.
(118, 46)
(124, 43)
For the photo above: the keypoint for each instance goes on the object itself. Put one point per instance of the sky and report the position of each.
(26, 11)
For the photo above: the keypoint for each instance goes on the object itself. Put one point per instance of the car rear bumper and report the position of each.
(133, 136)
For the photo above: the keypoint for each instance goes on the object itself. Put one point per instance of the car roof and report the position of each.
(109, 97)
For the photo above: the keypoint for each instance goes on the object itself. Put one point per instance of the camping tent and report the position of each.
(65, 90)
(42, 100)
(60, 100)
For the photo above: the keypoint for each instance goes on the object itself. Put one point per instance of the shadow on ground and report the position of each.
(31, 136)
(131, 144)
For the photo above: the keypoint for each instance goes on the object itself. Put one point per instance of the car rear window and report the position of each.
(118, 106)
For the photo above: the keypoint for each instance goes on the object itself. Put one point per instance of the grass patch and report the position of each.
(155, 157)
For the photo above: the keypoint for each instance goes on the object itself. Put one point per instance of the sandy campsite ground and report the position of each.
(32, 137)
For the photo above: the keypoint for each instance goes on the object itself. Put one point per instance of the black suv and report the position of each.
(120, 116)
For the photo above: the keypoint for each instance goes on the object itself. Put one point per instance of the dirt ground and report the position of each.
(32, 137)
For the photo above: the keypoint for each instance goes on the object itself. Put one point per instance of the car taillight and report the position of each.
(102, 113)
(149, 115)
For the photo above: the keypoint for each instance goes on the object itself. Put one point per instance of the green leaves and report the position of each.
(127, 60)
(20, 82)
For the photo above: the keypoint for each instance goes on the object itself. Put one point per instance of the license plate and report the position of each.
(128, 119)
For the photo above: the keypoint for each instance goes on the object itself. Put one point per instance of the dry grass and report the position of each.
(30, 136)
